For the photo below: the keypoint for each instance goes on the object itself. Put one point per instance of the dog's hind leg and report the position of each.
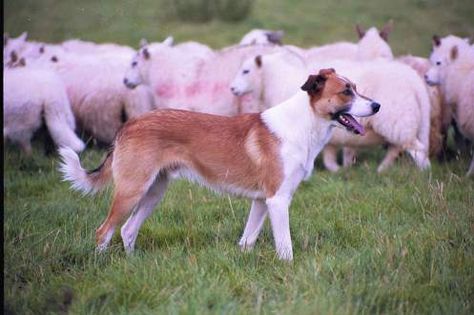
(153, 196)
(257, 215)
(128, 193)
(392, 153)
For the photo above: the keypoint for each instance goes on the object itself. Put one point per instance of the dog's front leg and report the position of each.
(257, 215)
(279, 218)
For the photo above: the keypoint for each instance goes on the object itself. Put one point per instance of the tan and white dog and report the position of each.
(261, 156)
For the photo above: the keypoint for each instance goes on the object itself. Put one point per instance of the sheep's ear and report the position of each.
(387, 29)
(258, 61)
(360, 31)
(169, 41)
(143, 43)
(454, 52)
(436, 41)
(146, 53)
(23, 36)
(275, 37)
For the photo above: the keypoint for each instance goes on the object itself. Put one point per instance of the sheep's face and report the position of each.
(445, 51)
(248, 77)
(134, 75)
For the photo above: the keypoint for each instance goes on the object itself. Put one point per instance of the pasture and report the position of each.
(397, 243)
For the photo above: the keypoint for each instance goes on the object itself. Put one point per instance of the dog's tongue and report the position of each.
(351, 124)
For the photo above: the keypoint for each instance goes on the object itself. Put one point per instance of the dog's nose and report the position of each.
(232, 89)
(125, 81)
(375, 107)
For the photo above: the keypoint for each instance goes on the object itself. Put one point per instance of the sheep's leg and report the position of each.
(470, 172)
(392, 153)
(60, 131)
(349, 156)
(420, 155)
(330, 158)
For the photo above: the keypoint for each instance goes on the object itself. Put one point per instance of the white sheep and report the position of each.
(452, 69)
(99, 100)
(186, 81)
(31, 94)
(440, 114)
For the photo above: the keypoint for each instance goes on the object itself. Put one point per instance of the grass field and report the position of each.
(397, 243)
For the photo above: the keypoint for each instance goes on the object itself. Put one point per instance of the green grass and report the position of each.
(364, 243)
(398, 243)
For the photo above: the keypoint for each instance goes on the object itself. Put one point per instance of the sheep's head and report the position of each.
(248, 77)
(373, 43)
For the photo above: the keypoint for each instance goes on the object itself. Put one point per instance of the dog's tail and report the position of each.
(81, 179)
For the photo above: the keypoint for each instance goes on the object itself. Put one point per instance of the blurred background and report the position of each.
(220, 23)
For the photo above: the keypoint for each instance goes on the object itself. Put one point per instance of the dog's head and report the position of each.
(335, 98)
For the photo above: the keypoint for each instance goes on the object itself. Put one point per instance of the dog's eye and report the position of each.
(347, 92)
(245, 71)
(438, 63)
(134, 64)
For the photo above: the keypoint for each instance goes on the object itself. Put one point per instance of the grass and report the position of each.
(397, 243)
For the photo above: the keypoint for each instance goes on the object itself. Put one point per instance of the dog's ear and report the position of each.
(454, 52)
(436, 41)
(258, 61)
(315, 83)
(387, 29)
(22, 62)
(360, 31)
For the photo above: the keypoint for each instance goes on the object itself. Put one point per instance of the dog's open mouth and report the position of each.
(350, 123)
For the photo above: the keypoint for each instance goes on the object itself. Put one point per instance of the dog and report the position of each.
(262, 156)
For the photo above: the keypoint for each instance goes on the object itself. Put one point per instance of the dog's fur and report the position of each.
(263, 157)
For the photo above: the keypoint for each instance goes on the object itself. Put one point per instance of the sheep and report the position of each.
(184, 81)
(403, 120)
(452, 61)
(440, 115)
(260, 36)
(31, 94)
(100, 102)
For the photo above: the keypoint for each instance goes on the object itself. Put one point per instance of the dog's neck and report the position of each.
(294, 120)
(296, 124)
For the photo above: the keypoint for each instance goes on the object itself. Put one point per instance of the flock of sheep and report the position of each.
(94, 88)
